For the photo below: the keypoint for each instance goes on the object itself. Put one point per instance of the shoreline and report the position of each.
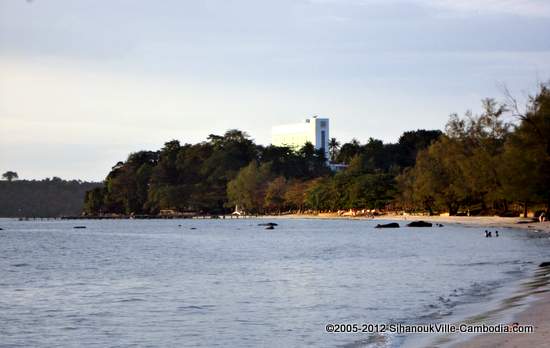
(536, 312)
(473, 221)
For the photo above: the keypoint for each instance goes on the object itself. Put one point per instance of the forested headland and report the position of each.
(42, 198)
(497, 162)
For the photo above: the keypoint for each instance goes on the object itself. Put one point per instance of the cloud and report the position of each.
(530, 8)
(527, 8)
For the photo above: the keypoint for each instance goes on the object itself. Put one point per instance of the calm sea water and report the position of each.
(230, 283)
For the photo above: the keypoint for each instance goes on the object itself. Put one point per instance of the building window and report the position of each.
(323, 136)
(323, 124)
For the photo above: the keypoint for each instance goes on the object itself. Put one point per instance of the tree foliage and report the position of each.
(10, 175)
(483, 164)
(227, 170)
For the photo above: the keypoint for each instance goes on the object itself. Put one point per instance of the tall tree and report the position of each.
(527, 152)
(333, 147)
(275, 194)
(10, 176)
(248, 188)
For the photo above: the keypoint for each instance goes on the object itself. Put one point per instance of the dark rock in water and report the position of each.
(270, 227)
(545, 264)
(79, 227)
(390, 225)
(419, 224)
(268, 224)
(193, 228)
(439, 225)
(527, 221)
(1, 229)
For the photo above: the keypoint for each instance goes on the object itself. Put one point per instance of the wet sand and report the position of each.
(537, 314)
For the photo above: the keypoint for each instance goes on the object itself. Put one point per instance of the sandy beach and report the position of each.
(481, 221)
(537, 314)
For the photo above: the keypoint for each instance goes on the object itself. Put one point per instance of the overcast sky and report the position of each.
(85, 82)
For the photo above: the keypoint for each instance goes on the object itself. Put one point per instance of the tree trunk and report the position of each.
(452, 210)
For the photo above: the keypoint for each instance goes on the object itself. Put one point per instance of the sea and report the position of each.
(233, 283)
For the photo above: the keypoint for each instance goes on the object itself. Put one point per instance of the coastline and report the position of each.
(474, 221)
(536, 312)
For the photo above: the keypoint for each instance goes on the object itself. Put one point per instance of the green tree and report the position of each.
(275, 194)
(438, 180)
(333, 146)
(318, 194)
(348, 151)
(526, 161)
(372, 191)
(94, 201)
(248, 188)
(295, 194)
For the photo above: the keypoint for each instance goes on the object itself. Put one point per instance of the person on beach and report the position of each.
(542, 217)
(496, 233)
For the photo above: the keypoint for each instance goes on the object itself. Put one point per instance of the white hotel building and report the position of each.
(315, 130)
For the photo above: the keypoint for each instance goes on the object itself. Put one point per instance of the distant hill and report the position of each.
(43, 198)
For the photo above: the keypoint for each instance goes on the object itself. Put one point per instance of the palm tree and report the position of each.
(9, 175)
(333, 146)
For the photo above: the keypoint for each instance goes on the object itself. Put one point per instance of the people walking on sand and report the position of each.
(488, 234)
(496, 233)
(542, 217)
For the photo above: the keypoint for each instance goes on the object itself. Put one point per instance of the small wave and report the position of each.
(20, 265)
(491, 263)
(373, 340)
(514, 272)
(131, 300)
(195, 308)
(445, 305)
(70, 328)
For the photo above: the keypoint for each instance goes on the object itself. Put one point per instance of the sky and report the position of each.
(84, 83)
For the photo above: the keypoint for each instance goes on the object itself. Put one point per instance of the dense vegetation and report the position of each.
(216, 175)
(480, 164)
(483, 164)
(45, 198)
